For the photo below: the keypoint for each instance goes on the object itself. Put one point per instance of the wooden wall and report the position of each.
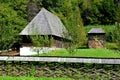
(96, 40)
(58, 42)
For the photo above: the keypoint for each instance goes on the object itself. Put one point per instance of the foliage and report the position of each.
(98, 11)
(9, 26)
(74, 23)
(41, 41)
(108, 12)
(116, 34)
(117, 16)
(90, 11)
(110, 45)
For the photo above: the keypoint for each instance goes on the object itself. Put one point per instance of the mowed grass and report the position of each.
(34, 78)
(95, 53)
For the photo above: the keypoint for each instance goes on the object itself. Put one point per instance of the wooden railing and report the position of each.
(61, 59)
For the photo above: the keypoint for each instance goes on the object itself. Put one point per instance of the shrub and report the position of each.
(111, 45)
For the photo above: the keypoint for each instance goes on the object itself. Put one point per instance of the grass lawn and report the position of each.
(96, 53)
(33, 78)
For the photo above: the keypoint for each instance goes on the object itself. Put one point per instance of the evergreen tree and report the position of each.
(32, 9)
(71, 17)
(117, 2)
(10, 25)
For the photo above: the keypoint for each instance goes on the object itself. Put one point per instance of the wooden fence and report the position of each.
(61, 59)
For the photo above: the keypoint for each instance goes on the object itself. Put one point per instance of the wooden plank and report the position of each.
(60, 59)
(3, 58)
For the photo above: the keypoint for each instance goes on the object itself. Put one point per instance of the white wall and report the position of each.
(27, 51)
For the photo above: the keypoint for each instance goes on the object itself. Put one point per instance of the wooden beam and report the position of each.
(60, 59)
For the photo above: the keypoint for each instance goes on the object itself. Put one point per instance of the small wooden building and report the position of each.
(96, 38)
(46, 23)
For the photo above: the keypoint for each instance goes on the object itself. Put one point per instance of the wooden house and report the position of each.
(96, 38)
(46, 23)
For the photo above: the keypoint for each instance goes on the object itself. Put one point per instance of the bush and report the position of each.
(41, 41)
(116, 34)
(111, 45)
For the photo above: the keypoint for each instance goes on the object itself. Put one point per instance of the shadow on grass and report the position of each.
(83, 47)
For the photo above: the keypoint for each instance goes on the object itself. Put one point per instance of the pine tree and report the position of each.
(32, 9)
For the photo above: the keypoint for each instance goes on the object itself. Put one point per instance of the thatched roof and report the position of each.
(96, 31)
(45, 23)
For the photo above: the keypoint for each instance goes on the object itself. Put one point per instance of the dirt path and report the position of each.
(11, 53)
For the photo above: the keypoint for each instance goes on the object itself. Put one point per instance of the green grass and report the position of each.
(33, 78)
(96, 53)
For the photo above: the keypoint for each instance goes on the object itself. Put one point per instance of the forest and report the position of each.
(76, 15)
